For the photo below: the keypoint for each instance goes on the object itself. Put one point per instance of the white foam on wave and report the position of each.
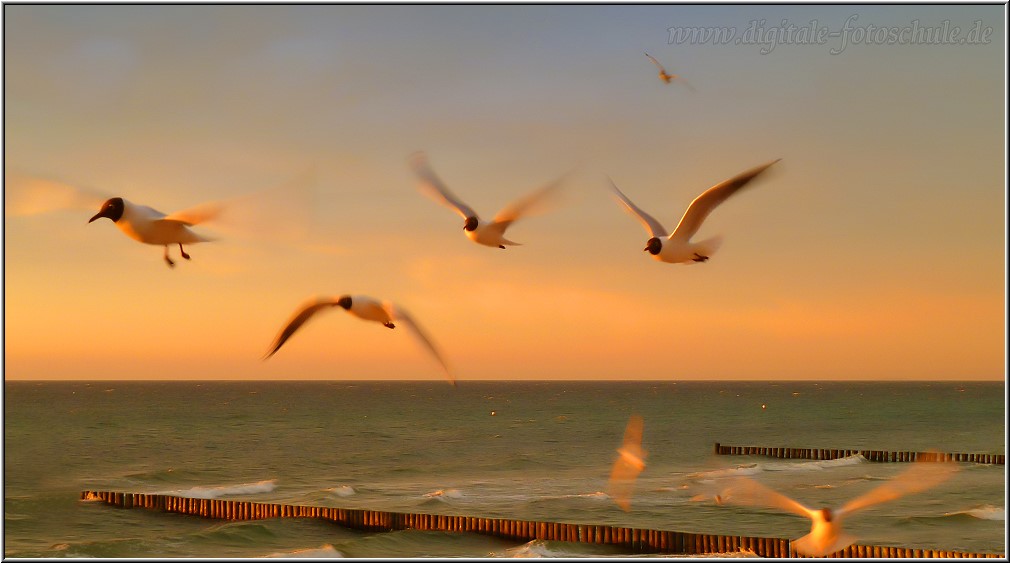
(854, 459)
(987, 512)
(218, 491)
(537, 548)
(750, 469)
(342, 491)
(443, 494)
(326, 550)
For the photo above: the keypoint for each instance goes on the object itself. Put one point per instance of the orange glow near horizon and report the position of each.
(875, 250)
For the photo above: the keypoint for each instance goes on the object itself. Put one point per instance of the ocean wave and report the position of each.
(543, 548)
(818, 465)
(342, 491)
(565, 550)
(444, 494)
(749, 469)
(986, 512)
(326, 550)
(222, 490)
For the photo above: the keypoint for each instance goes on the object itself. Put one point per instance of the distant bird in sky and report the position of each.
(666, 78)
(629, 463)
(476, 229)
(826, 535)
(677, 246)
(365, 308)
(151, 226)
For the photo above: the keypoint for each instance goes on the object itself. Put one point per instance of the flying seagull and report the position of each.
(678, 248)
(476, 229)
(277, 213)
(629, 463)
(151, 226)
(826, 535)
(365, 308)
(666, 78)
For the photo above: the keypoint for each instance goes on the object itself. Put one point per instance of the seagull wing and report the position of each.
(651, 224)
(434, 188)
(535, 202)
(712, 197)
(628, 465)
(33, 195)
(748, 492)
(282, 212)
(655, 62)
(197, 214)
(303, 314)
(400, 314)
(921, 476)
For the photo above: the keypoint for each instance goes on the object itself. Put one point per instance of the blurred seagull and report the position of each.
(480, 231)
(275, 214)
(365, 308)
(826, 535)
(628, 464)
(151, 226)
(678, 248)
(666, 78)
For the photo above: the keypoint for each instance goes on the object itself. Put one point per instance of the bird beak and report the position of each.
(646, 249)
(97, 215)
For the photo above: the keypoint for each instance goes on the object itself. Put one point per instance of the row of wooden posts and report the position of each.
(632, 539)
(870, 455)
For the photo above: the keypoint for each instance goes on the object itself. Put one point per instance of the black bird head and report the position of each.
(344, 301)
(471, 224)
(654, 245)
(112, 209)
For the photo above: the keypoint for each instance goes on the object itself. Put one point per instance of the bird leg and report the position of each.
(184, 255)
(699, 257)
(167, 259)
(389, 324)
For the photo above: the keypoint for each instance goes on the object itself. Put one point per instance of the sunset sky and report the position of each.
(876, 248)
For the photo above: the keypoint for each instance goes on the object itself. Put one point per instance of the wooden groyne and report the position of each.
(635, 540)
(870, 455)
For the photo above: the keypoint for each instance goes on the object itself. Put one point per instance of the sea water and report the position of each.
(518, 450)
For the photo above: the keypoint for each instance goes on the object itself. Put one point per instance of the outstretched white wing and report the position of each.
(920, 476)
(400, 314)
(305, 312)
(651, 224)
(629, 463)
(434, 188)
(712, 197)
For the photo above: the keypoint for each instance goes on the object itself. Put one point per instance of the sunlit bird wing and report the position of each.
(655, 62)
(33, 195)
(282, 212)
(920, 476)
(303, 314)
(434, 188)
(535, 202)
(651, 224)
(197, 214)
(812, 545)
(629, 463)
(401, 314)
(748, 492)
(712, 197)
